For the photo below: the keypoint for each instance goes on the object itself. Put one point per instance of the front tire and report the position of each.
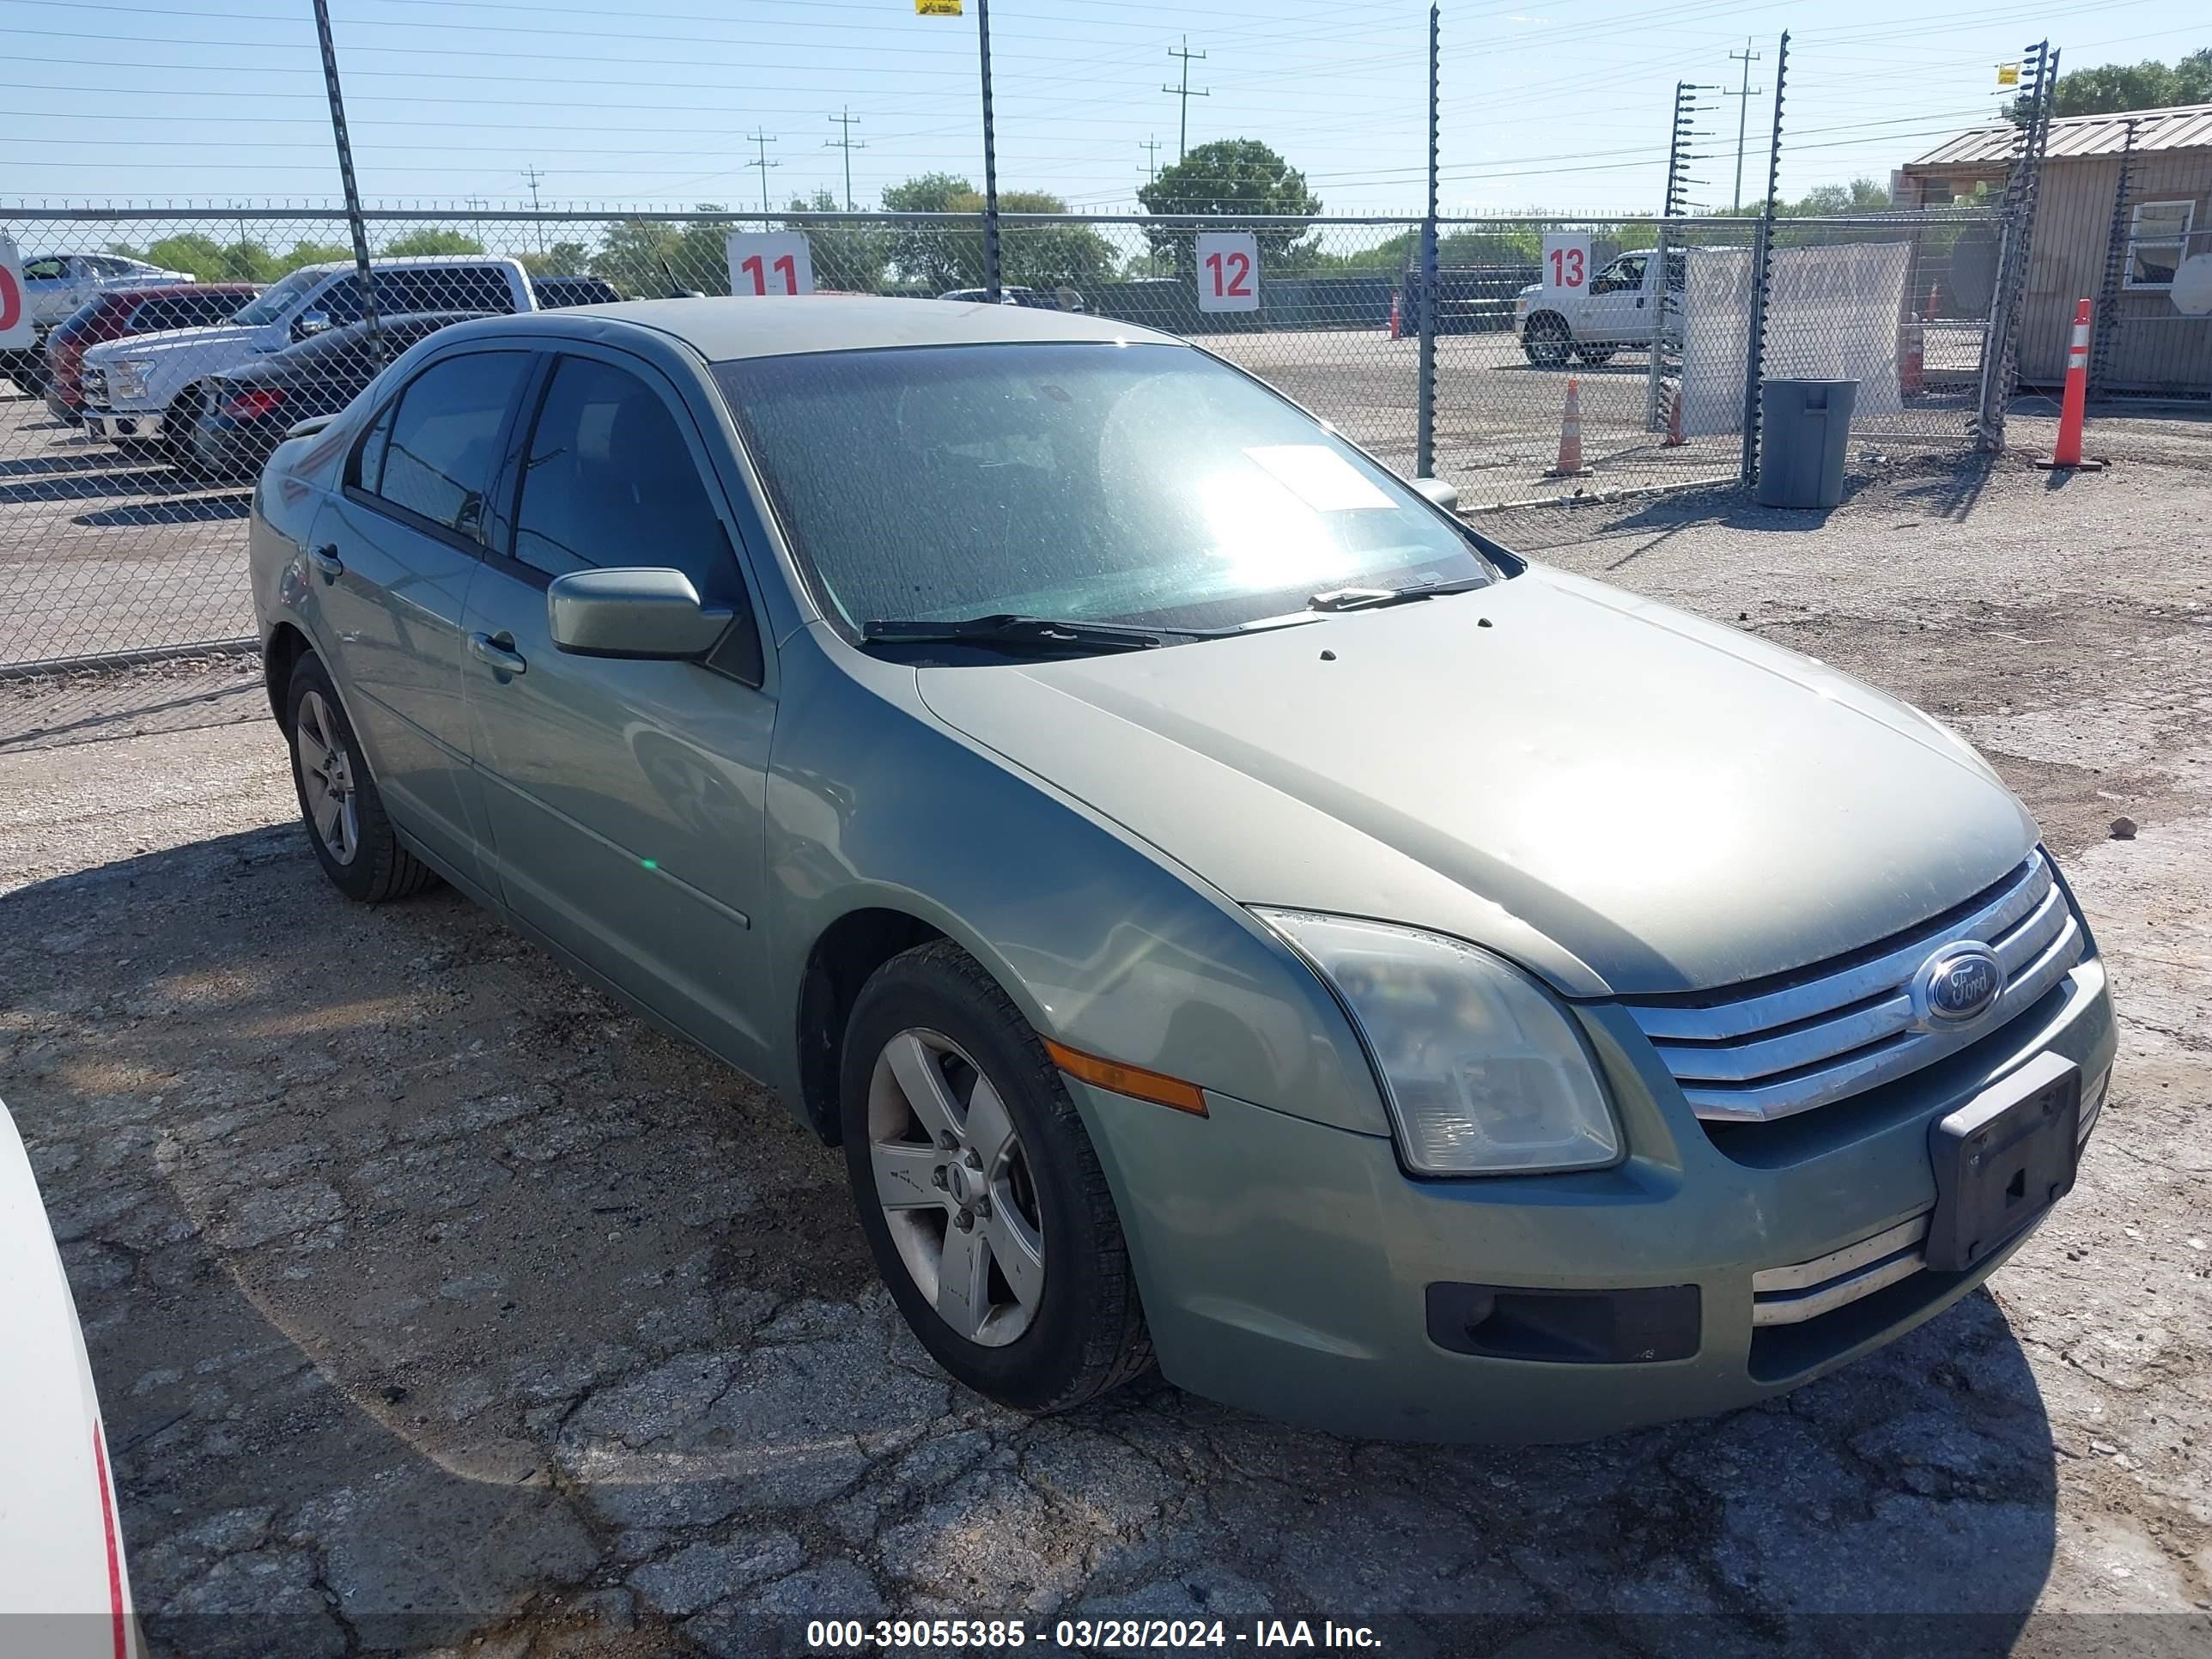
(1548, 341)
(980, 1193)
(353, 838)
(1595, 355)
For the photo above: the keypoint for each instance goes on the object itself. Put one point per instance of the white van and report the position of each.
(147, 387)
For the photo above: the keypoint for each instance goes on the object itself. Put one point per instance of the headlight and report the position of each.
(1483, 1073)
(128, 377)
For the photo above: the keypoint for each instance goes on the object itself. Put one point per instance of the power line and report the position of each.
(848, 144)
(1183, 135)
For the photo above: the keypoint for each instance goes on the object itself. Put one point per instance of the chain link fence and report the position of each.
(127, 451)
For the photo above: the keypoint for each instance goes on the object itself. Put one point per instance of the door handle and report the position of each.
(501, 658)
(326, 560)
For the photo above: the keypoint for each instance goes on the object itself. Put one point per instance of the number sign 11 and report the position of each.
(765, 262)
(1228, 271)
(1566, 264)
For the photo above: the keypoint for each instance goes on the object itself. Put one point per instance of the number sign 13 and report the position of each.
(1566, 263)
(1228, 271)
(769, 262)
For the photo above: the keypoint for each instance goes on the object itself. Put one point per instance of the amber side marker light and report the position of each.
(1133, 1080)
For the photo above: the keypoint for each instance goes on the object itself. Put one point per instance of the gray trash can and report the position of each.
(1804, 437)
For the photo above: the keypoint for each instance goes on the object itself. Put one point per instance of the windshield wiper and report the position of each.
(1024, 632)
(1370, 598)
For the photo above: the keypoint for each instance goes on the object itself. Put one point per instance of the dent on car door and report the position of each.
(391, 558)
(625, 796)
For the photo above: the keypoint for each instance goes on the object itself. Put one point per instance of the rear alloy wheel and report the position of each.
(352, 839)
(1595, 355)
(980, 1193)
(1547, 342)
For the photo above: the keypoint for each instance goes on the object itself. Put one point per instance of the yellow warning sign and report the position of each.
(937, 8)
(2008, 74)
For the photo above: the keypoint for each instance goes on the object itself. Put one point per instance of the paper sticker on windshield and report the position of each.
(1320, 478)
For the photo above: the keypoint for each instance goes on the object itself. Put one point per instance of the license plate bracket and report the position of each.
(2002, 1159)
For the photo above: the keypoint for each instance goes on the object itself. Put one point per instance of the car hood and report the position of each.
(1622, 797)
(170, 341)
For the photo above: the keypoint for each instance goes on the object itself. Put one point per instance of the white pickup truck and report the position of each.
(54, 286)
(1615, 311)
(148, 388)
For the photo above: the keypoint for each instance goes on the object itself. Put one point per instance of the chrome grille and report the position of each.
(1769, 1054)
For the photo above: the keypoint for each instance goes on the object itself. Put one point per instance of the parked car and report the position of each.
(1613, 311)
(248, 411)
(556, 292)
(64, 1581)
(1062, 299)
(1049, 816)
(119, 312)
(55, 285)
(152, 389)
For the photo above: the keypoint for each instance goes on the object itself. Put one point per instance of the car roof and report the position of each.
(720, 329)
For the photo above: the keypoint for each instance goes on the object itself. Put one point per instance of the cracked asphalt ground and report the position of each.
(437, 1306)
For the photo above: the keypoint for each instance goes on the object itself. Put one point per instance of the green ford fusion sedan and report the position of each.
(1232, 916)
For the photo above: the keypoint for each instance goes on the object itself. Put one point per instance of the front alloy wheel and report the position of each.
(956, 1188)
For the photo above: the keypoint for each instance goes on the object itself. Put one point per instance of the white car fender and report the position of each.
(64, 1586)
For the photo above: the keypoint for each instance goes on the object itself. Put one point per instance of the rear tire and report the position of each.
(1548, 341)
(1595, 355)
(1002, 1249)
(345, 815)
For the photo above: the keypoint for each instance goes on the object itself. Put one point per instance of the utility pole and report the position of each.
(1151, 148)
(848, 144)
(533, 175)
(990, 160)
(763, 141)
(1184, 91)
(1746, 58)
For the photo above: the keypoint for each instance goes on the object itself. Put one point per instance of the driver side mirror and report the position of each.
(311, 323)
(1438, 493)
(646, 613)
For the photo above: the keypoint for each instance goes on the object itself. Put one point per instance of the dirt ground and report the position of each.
(438, 1307)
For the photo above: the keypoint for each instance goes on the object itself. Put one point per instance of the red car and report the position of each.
(122, 311)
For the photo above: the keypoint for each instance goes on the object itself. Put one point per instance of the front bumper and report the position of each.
(119, 424)
(1286, 1267)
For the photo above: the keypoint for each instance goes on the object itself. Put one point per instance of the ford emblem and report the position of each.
(1959, 984)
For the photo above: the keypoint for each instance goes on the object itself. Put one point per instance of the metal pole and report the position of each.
(763, 140)
(990, 162)
(1425, 401)
(849, 143)
(353, 219)
(1184, 91)
(1762, 250)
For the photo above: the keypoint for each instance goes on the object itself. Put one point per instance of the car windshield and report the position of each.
(275, 301)
(1089, 482)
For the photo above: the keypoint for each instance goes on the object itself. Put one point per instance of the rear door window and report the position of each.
(442, 448)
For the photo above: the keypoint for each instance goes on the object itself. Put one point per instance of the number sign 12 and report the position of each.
(1566, 263)
(1228, 271)
(763, 263)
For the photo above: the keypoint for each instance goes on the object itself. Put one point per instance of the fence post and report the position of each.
(1762, 255)
(2116, 264)
(1652, 381)
(990, 162)
(2015, 236)
(1425, 396)
(353, 219)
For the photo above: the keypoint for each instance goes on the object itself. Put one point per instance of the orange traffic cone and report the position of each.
(1674, 440)
(1913, 373)
(1570, 436)
(2066, 455)
(1394, 313)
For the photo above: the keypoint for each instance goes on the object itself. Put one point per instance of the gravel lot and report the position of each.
(437, 1306)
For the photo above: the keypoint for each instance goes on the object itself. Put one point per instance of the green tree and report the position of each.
(847, 257)
(648, 258)
(561, 259)
(430, 239)
(936, 258)
(2109, 88)
(1240, 176)
(313, 254)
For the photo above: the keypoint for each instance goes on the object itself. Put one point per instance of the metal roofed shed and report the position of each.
(2126, 201)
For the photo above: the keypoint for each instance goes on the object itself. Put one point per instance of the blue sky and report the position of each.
(1546, 104)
